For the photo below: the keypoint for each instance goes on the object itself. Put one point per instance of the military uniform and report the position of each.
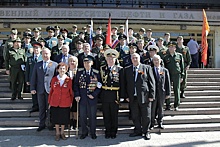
(184, 50)
(112, 90)
(87, 83)
(175, 65)
(14, 59)
(50, 41)
(162, 52)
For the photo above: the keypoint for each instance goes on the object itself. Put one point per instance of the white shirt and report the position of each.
(61, 80)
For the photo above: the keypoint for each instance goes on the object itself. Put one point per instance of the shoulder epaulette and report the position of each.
(80, 69)
(95, 71)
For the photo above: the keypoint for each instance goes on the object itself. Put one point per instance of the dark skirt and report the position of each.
(60, 116)
(74, 106)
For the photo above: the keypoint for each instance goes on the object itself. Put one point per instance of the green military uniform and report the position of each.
(13, 60)
(162, 52)
(175, 65)
(7, 46)
(184, 50)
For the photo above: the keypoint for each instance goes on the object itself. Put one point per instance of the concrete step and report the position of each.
(202, 93)
(203, 80)
(201, 99)
(8, 95)
(204, 75)
(203, 83)
(204, 71)
(198, 88)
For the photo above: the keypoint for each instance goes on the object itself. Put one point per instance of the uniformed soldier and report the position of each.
(121, 30)
(87, 33)
(87, 86)
(36, 36)
(166, 39)
(98, 30)
(98, 44)
(149, 37)
(142, 33)
(162, 49)
(173, 61)
(15, 66)
(127, 59)
(112, 91)
(144, 54)
(67, 40)
(114, 32)
(56, 50)
(152, 49)
(79, 47)
(57, 31)
(51, 41)
(36, 57)
(122, 48)
(27, 44)
(72, 35)
(132, 39)
(184, 50)
(9, 42)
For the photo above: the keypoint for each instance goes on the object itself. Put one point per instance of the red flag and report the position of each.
(205, 31)
(108, 34)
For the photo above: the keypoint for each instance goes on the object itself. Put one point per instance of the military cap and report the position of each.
(27, 35)
(81, 33)
(50, 28)
(121, 27)
(63, 30)
(132, 45)
(160, 38)
(99, 28)
(171, 43)
(17, 40)
(57, 27)
(36, 29)
(111, 52)
(153, 48)
(142, 30)
(122, 36)
(180, 37)
(114, 37)
(39, 28)
(149, 30)
(99, 37)
(88, 26)
(74, 26)
(14, 31)
(167, 34)
(114, 27)
(41, 40)
(83, 28)
(28, 30)
(60, 37)
(88, 58)
(37, 44)
(79, 41)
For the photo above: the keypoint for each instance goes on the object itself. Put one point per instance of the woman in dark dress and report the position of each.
(60, 100)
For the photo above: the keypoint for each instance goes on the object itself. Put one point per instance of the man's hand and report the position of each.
(77, 98)
(90, 96)
(33, 91)
(151, 99)
(7, 72)
(127, 99)
(49, 107)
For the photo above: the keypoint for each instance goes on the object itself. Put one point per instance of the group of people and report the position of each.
(62, 72)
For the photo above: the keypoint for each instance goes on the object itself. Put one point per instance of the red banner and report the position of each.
(205, 32)
(108, 34)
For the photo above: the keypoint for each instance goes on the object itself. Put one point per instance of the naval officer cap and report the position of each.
(111, 53)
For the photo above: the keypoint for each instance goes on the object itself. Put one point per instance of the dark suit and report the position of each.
(60, 58)
(81, 56)
(28, 74)
(140, 105)
(84, 85)
(40, 81)
(163, 89)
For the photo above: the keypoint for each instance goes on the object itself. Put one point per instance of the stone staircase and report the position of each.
(199, 111)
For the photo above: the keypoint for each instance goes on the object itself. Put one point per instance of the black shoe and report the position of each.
(113, 136)
(135, 134)
(13, 98)
(74, 124)
(182, 95)
(151, 127)
(160, 126)
(167, 108)
(93, 136)
(20, 98)
(107, 136)
(176, 109)
(40, 128)
(34, 110)
(147, 136)
(83, 136)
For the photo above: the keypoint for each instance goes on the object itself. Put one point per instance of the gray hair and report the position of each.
(156, 57)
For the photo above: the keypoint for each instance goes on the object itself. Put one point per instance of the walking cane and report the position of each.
(77, 121)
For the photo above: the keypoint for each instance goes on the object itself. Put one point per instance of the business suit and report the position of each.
(163, 89)
(28, 73)
(40, 81)
(145, 88)
(84, 85)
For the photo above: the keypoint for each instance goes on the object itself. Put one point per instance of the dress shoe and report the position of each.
(176, 109)
(182, 95)
(107, 136)
(83, 136)
(63, 137)
(20, 98)
(57, 137)
(34, 110)
(113, 136)
(160, 126)
(93, 136)
(40, 128)
(167, 108)
(151, 127)
(135, 134)
(13, 98)
(147, 136)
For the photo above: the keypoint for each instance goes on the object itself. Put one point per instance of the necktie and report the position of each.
(35, 59)
(157, 73)
(45, 66)
(134, 72)
(64, 59)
